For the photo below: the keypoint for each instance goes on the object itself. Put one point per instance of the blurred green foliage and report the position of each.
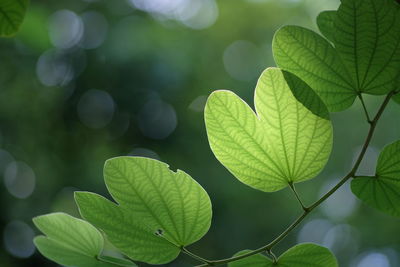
(84, 81)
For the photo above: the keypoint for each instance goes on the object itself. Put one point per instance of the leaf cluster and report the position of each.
(155, 213)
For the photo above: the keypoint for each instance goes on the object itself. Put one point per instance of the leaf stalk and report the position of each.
(365, 108)
(291, 185)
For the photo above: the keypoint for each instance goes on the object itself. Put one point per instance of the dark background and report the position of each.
(87, 80)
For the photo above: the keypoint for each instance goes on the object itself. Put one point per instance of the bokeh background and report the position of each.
(87, 80)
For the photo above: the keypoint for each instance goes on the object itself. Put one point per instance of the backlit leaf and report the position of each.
(325, 22)
(367, 38)
(314, 60)
(12, 14)
(289, 139)
(71, 242)
(158, 210)
(302, 255)
(382, 191)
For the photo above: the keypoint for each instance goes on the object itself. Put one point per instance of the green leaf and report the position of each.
(158, 210)
(382, 191)
(12, 14)
(367, 37)
(288, 140)
(302, 255)
(314, 60)
(125, 230)
(365, 57)
(70, 241)
(117, 261)
(325, 22)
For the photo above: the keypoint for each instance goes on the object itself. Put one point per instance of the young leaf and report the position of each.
(288, 140)
(314, 60)
(382, 191)
(302, 255)
(325, 22)
(12, 13)
(158, 210)
(367, 38)
(70, 241)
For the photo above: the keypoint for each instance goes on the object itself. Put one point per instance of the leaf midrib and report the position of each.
(281, 131)
(350, 88)
(281, 173)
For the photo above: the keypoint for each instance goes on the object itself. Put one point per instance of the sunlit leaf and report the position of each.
(365, 57)
(302, 255)
(71, 242)
(367, 37)
(158, 210)
(382, 191)
(314, 60)
(325, 22)
(12, 14)
(288, 140)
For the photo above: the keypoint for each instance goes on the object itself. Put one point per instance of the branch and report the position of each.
(307, 210)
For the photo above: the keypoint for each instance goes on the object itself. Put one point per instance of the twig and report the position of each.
(309, 209)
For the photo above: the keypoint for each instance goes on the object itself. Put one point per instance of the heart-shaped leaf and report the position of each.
(288, 140)
(314, 60)
(12, 13)
(382, 191)
(303, 255)
(367, 38)
(158, 210)
(325, 22)
(72, 242)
